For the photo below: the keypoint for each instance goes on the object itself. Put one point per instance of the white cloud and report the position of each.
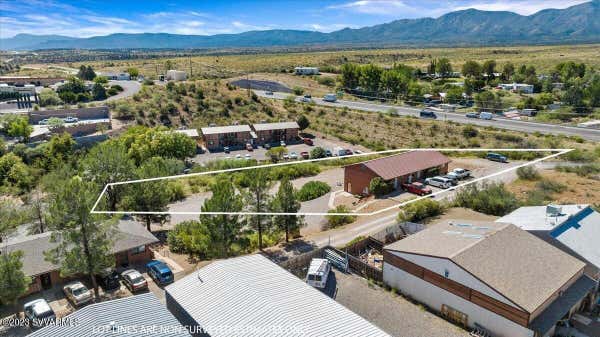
(376, 7)
(326, 28)
(521, 7)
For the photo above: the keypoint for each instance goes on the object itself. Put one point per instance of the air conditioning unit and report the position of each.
(553, 210)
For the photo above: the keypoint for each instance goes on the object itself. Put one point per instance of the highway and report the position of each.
(500, 123)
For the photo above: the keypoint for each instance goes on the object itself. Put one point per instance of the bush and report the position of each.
(334, 221)
(298, 91)
(312, 190)
(294, 171)
(379, 187)
(419, 210)
(492, 198)
(318, 152)
(586, 170)
(469, 131)
(528, 173)
(326, 80)
(189, 237)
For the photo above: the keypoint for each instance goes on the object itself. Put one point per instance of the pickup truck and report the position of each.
(460, 173)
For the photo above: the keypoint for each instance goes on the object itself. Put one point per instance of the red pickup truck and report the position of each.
(417, 188)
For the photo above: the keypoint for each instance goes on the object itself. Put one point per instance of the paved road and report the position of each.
(501, 123)
(130, 88)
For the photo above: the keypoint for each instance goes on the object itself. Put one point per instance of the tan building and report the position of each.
(396, 169)
(271, 133)
(233, 136)
(489, 276)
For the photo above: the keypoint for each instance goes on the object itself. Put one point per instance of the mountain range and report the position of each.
(471, 27)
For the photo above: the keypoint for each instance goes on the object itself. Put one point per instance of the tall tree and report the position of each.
(443, 67)
(98, 92)
(13, 281)
(258, 201)
(84, 241)
(471, 69)
(285, 202)
(39, 211)
(12, 215)
(106, 163)
(223, 229)
(508, 71)
(489, 67)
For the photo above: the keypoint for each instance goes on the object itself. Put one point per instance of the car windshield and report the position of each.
(166, 274)
(79, 291)
(136, 278)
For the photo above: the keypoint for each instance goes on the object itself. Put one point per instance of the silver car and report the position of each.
(134, 280)
(439, 182)
(77, 293)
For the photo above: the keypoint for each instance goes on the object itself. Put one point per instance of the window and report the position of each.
(138, 250)
(446, 273)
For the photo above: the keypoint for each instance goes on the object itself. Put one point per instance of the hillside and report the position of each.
(576, 24)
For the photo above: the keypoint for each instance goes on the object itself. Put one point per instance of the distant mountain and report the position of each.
(576, 24)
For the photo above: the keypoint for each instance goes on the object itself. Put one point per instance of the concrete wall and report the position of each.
(435, 297)
(83, 113)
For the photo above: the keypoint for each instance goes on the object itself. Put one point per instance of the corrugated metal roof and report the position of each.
(254, 295)
(213, 130)
(140, 315)
(275, 126)
(405, 163)
(534, 218)
(188, 132)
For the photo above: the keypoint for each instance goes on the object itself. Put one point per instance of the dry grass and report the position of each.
(580, 190)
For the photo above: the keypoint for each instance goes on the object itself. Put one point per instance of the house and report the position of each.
(396, 169)
(517, 87)
(117, 76)
(490, 276)
(276, 132)
(175, 75)
(132, 246)
(256, 295)
(306, 70)
(134, 316)
(233, 136)
(574, 228)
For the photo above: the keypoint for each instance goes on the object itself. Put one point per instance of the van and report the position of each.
(496, 157)
(318, 272)
(427, 114)
(486, 115)
(330, 98)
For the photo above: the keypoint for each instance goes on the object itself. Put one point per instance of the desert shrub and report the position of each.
(312, 190)
(550, 186)
(580, 156)
(298, 91)
(294, 171)
(469, 131)
(326, 80)
(489, 198)
(334, 221)
(419, 210)
(528, 173)
(582, 170)
(379, 187)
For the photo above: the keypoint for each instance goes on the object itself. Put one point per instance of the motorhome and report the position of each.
(318, 272)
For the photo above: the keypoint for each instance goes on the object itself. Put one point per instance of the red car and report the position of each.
(417, 188)
(307, 141)
(304, 155)
(249, 147)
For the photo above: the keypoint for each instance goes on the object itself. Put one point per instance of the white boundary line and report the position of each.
(560, 152)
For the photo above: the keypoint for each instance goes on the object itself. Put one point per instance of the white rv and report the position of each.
(318, 271)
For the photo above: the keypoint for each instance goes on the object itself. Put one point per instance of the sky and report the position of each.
(85, 18)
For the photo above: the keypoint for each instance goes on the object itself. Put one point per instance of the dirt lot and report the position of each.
(392, 313)
(579, 190)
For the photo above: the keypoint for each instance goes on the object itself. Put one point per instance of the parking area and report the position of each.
(393, 313)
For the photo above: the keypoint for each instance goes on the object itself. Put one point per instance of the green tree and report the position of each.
(100, 80)
(14, 173)
(143, 143)
(190, 237)
(318, 152)
(508, 70)
(223, 229)
(378, 186)
(592, 91)
(443, 67)
(303, 122)
(336, 220)
(276, 153)
(59, 148)
(98, 92)
(574, 95)
(489, 67)
(106, 163)
(488, 101)
(55, 123)
(84, 241)
(285, 202)
(133, 72)
(350, 75)
(12, 215)
(49, 97)
(471, 69)
(420, 210)
(13, 281)
(258, 201)
(19, 127)
(370, 76)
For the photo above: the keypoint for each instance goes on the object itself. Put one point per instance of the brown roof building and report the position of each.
(489, 275)
(396, 169)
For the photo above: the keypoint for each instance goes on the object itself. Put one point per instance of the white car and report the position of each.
(238, 156)
(38, 313)
(460, 173)
(248, 157)
(71, 119)
(43, 121)
(440, 182)
(77, 293)
(293, 155)
(282, 143)
(270, 93)
(286, 156)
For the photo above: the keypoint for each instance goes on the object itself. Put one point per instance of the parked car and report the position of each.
(438, 181)
(460, 173)
(358, 152)
(496, 157)
(330, 98)
(77, 293)
(248, 156)
(427, 114)
(304, 155)
(268, 92)
(38, 313)
(307, 141)
(307, 99)
(71, 119)
(486, 115)
(108, 279)
(472, 115)
(267, 146)
(348, 152)
(160, 272)
(286, 156)
(282, 143)
(416, 188)
(453, 179)
(226, 149)
(43, 121)
(293, 155)
(249, 147)
(328, 153)
(134, 280)
(238, 156)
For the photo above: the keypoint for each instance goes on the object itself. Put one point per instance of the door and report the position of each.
(46, 281)
(349, 188)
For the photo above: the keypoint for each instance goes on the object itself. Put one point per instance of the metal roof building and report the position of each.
(252, 296)
(275, 126)
(135, 316)
(212, 130)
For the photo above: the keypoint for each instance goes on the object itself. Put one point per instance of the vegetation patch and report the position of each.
(312, 190)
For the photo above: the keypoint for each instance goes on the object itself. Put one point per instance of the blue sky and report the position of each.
(86, 18)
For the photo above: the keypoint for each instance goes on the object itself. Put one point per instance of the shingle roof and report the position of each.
(214, 130)
(254, 294)
(130, 234)
(405, 163)
(513, 262)
(275, 126)
(134, 316)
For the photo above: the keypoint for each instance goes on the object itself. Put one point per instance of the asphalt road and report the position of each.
(501, 123)
(130, 88)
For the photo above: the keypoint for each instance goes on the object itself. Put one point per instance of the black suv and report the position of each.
(108, 279)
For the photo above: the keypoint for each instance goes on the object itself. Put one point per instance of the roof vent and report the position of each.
(553, 210)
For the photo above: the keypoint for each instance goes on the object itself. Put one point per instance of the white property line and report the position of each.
(560, 152)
